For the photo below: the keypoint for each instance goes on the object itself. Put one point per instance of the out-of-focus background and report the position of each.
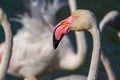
(98, 7)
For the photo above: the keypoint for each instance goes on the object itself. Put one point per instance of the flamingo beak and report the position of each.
(61, 29)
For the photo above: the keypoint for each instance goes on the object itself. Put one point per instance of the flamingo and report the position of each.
(104, 58)
(81, 20)
(8, 44)
(112, 19)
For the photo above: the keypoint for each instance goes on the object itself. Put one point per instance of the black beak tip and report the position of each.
(55, 42)
(55, 45)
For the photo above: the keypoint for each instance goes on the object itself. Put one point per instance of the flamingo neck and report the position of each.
(94, 65)
(8, 44)
(103, 24)
(104, 58)
(107, 66)
(77, 59)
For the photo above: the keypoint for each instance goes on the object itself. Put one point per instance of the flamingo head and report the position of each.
(115, 21)
(79, 20)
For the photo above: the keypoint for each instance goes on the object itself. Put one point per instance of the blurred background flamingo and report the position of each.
(26, 61)
(112, 19)
(25, 19)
